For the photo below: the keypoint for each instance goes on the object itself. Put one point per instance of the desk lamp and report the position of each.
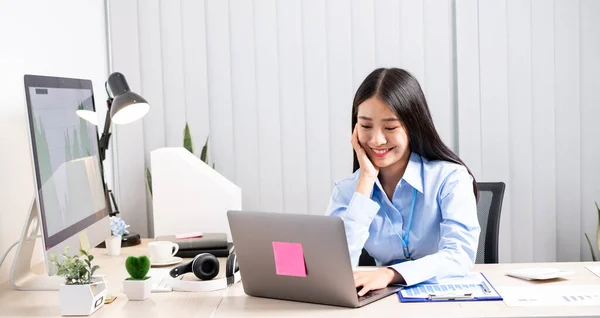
(124, 107)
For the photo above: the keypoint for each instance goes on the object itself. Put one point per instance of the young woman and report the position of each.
(412, 203)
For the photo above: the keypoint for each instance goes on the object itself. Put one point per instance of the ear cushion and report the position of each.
(205, 266)
(231, 267)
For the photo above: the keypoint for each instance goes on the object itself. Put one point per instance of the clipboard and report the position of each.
(472, 287)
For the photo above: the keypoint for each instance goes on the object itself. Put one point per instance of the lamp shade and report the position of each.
(127, 106)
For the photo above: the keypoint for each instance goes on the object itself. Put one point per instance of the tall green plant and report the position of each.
(594, 258)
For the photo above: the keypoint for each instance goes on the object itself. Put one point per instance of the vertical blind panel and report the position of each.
(291, 88)
(267, 103)
(543, 119)
(195, 72)
(318, 169)
(589, 45)
(129, 159)
(467, 60)
(387, 33)
(152, 81)
(363, 41)
(219, 86)
(412, 39)
(341, 91)
(520, 134)
(494, 108)
(245, 118)
(568, 158)
(173, 76)
(439, 82)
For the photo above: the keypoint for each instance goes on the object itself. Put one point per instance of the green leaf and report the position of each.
(91, 258)
(204, 153)
(591, 247)
(187, 139)
(149, 180)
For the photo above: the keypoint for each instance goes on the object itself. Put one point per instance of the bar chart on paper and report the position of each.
(547, 296)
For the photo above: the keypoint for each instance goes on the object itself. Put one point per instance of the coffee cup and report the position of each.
(162, 251)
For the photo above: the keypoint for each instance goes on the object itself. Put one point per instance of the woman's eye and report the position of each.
(390, 128)
(365, 126)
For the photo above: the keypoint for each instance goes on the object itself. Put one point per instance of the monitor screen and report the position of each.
(68, 171)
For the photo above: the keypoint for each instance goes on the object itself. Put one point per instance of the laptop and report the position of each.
(327, 267)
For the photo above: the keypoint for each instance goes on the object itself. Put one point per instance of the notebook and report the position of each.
(206, 241)
(471, 287)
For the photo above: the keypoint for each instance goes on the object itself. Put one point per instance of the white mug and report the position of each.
(162, 251)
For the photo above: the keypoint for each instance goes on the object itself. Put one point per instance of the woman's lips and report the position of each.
(381, 152)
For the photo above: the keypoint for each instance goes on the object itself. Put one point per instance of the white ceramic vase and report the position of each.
(113, 245)
(82, 300)
(137, 289)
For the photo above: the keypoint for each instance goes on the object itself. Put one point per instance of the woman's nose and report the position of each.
(378, 138)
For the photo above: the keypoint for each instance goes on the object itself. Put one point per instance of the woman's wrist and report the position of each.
(365, 185)
(395, 277)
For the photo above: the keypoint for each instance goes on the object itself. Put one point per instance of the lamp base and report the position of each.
(131, 239)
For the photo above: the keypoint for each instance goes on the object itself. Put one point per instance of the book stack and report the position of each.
(189, 247)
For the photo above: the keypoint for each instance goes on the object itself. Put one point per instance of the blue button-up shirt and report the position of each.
(445, 231)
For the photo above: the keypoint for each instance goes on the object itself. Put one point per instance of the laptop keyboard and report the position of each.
(370, 293)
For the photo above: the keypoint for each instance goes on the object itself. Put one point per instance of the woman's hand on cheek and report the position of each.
(371, 280)
(366, 166)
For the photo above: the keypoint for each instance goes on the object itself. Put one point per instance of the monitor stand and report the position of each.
(21, 275)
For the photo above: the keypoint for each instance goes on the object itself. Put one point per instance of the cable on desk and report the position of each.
(12, 246)
(7, 251)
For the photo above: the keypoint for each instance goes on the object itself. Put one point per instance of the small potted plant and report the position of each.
(138, 286)
(117, 229)
(82, 293)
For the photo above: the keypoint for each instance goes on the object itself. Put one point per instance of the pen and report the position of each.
(486, 290)
(450, 297)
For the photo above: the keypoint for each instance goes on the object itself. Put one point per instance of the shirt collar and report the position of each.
(412, 174)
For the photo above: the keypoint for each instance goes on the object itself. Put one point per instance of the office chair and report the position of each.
(489, 207)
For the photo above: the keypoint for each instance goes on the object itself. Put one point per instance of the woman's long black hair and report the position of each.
(402, 92)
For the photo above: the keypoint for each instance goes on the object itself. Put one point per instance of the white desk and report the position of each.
(234, 303)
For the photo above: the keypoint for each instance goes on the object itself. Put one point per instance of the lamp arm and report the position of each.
(106, 133)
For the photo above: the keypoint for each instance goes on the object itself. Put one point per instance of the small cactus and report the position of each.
(137, 267)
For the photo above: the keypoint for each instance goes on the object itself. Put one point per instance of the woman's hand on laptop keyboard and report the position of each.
(370, 280)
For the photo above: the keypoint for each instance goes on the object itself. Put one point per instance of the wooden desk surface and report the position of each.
(233, 302)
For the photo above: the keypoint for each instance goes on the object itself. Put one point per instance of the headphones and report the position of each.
(205, 266)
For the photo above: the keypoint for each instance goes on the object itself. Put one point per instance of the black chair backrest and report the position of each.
(489, 207)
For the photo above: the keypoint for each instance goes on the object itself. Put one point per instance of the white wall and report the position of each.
(58, 38)
(511, 85)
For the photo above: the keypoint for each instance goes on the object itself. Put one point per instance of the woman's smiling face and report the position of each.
(381, 133)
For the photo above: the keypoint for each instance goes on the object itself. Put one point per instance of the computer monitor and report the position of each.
(70, 202)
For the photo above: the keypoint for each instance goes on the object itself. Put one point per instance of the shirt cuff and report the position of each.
(412, 272)
(362, 209)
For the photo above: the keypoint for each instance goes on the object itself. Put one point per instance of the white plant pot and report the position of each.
(113, 245)
(137, 289)
(82, 300)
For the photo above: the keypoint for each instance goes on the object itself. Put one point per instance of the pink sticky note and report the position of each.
(289, 259)
(188, 235)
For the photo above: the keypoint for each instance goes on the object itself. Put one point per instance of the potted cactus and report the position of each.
(138, 286)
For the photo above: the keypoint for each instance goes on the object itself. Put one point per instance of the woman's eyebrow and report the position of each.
(386, 119)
